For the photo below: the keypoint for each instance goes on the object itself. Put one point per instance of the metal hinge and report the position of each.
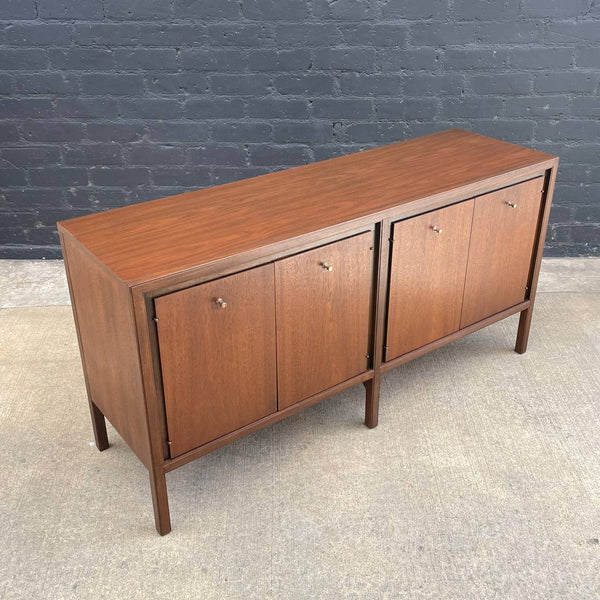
(155, 319)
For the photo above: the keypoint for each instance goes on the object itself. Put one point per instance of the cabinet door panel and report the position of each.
(217, 352)
(504, 228)
(323, 317)
(429, 260)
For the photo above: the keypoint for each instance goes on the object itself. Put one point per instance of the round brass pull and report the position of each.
(327, 266)
(436, 229)
(220, 302)
(511, 204)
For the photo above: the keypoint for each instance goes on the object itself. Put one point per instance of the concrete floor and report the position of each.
(481, 481)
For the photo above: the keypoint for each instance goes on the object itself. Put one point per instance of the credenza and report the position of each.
(205, 316)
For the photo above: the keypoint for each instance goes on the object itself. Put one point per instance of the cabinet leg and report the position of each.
(99, 427)
(523, 332)
(160, 502)
(372, 402)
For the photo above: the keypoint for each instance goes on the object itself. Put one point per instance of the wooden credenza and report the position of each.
(206, 316)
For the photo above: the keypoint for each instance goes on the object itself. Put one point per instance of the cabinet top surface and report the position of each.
(146, 241)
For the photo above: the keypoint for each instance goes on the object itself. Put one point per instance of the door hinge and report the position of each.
(155, 319)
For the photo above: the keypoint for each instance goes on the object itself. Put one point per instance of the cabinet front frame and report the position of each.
(143, 301)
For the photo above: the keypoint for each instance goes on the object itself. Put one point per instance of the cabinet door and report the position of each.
(323, 305)
(217, 352)
(504, 229)
(429, 261)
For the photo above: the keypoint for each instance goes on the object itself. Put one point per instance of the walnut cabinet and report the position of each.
(206, 316)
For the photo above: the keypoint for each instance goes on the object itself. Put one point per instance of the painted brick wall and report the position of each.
(109, 102)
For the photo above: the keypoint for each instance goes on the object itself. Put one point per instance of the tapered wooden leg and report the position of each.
(99, 427)
(523, 333)
(372, 403)
(160, 502)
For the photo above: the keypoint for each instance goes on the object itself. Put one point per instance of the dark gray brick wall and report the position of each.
(105, 103)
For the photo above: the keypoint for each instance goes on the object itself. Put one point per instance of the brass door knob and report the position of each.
(220, 302)
(327, 266)
(511, 204)
(436, 229)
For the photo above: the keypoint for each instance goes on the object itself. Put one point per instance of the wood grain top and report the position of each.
(146, 241)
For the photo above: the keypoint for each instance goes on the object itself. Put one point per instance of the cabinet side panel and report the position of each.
(104, 316)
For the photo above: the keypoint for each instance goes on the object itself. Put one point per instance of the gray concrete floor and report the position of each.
(481, 481)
